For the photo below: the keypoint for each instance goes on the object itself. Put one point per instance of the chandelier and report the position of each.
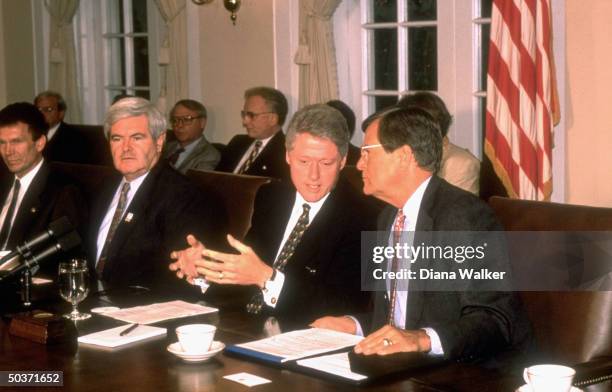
(231, 5)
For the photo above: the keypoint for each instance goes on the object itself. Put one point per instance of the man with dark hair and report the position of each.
(148, 208)
(262, 151)
(304, 239)
(401, 153)
(32, 194)
(190, 149)
(459, 167)
(353, 152)
(64, 142)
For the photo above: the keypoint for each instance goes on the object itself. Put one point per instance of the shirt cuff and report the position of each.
(436, 345)
(272, 289)
(358, 329)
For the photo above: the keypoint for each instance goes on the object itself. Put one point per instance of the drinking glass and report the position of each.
(73, 284)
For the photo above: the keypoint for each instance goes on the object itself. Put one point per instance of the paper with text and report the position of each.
(154, 313)
(302, 343)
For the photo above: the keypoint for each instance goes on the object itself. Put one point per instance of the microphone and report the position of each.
(56, 229)
(65, 243)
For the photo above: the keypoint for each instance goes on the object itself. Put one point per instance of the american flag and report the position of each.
(521, 97)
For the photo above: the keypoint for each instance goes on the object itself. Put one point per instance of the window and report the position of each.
(126, 46)
(428, 45)
(117, 43)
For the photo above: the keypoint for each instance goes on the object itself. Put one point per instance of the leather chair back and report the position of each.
(237, 191)
(570, 327)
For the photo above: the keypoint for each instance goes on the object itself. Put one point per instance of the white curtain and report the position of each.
(316, 55)
(62, 64)
(173, 54)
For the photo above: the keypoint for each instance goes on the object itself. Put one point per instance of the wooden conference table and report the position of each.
(147, 366)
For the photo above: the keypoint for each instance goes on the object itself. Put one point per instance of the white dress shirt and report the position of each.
(24, 184)
(110, 212)
(52, 131)
(273, 288)
(244, 158)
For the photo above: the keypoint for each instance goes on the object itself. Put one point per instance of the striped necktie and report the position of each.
(252, 156)
(398, 227)
(113, 228)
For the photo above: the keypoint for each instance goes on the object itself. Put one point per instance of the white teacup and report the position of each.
(545, 378)
(196, 338)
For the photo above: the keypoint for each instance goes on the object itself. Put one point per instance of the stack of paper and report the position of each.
(296, 344)
(155, 313)
(112, 338)
(336, 364)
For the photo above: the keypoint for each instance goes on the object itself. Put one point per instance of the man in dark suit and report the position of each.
(191, 149)
(262, 151)
(33, 195)
(401, 153)
(64, 142)
(149, 208)
(304, 241)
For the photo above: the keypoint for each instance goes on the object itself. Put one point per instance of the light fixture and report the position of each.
(231, 5)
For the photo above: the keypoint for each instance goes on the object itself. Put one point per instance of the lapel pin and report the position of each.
(128, 217)
(33, 210)
(264, 167)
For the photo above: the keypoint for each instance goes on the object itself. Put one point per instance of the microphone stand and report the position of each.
(31, 267)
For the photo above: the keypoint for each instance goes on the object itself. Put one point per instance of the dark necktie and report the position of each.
(175, 156)
(6, 227)
(398, 227)
(113, 227)
(252, 156)
(255, 305)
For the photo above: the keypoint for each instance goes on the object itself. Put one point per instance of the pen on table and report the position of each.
(128, 330)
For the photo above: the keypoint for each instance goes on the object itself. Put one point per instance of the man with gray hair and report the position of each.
(148, 208)
(302, 257)
(261, 152)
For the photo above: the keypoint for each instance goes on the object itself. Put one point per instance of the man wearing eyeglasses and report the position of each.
(64, 142)
(190, 149)
(261, 152)
(399, 160)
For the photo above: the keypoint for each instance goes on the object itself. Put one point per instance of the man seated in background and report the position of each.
(262, 151)
(32, 194)
(401, 154)
(64, 142)
(301, 254)
(459, 167)
(148, 208)
(190, 149)
(353, 152)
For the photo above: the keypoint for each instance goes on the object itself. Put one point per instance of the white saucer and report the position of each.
(525, 388)
(215, 348)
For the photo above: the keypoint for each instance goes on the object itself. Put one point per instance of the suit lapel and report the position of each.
(30, 205)
(199, 148)
(135, 212)
(270, 149)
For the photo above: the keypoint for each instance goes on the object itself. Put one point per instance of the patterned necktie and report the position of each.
(113, 227)
(6, 227)
(398, 227)
(252, 156)
(175, 156)
(256, 303)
